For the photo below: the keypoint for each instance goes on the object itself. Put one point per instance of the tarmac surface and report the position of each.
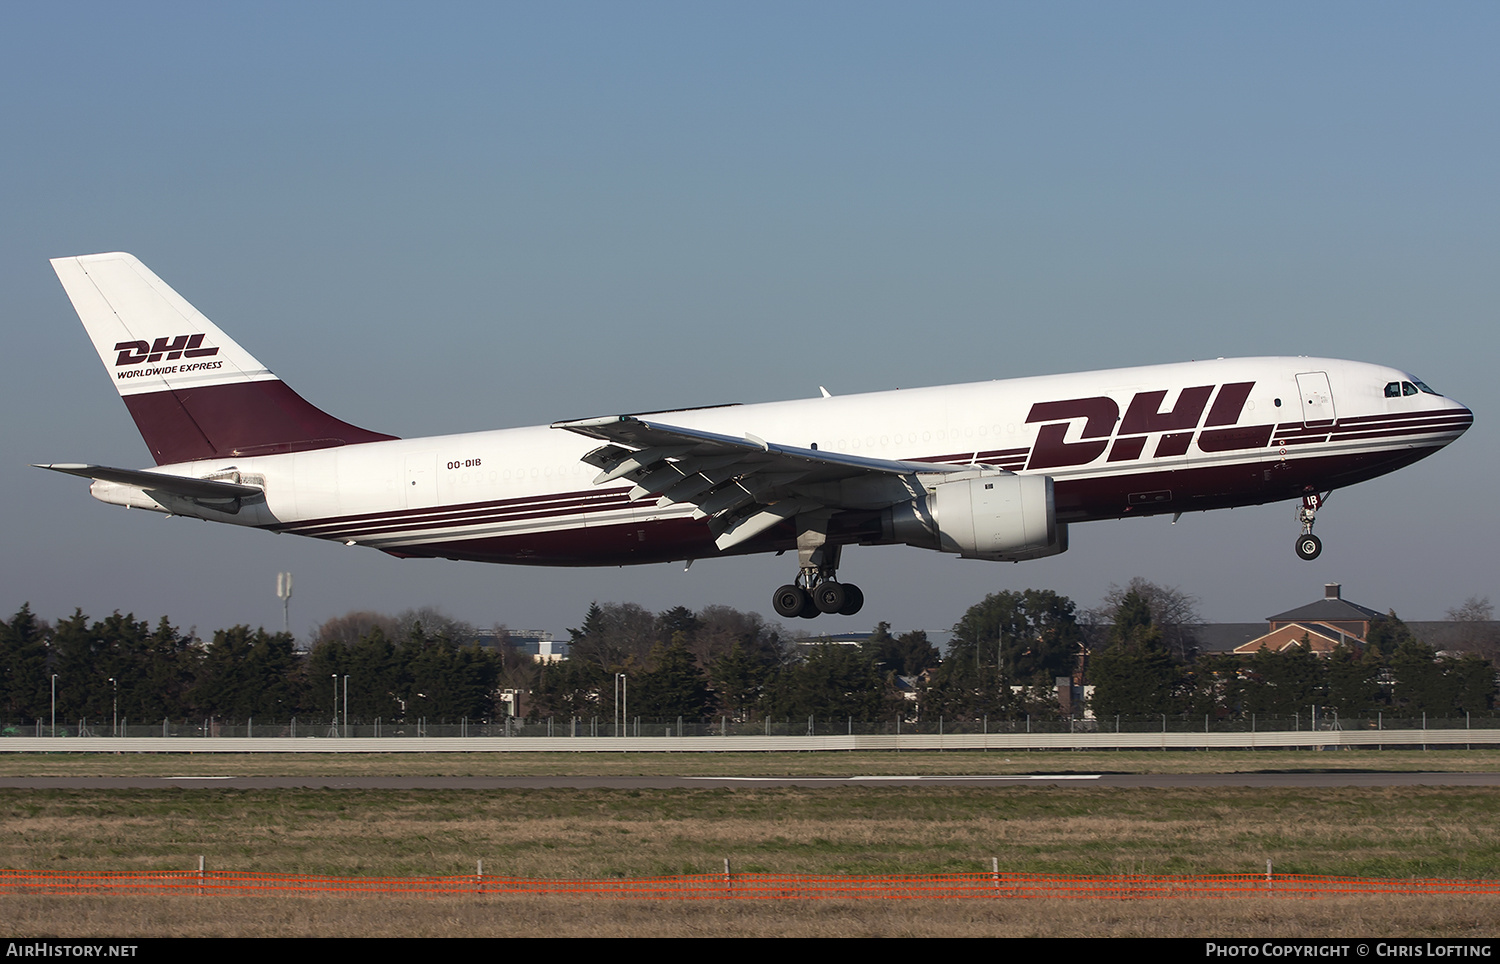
(1267, 778)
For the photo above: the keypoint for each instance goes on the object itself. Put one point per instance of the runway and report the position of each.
(1269, 778)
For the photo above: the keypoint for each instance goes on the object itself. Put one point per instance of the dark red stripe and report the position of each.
(1464, 415)
(606, 495)
(1387, 433)
(356, 532)
(237, 421)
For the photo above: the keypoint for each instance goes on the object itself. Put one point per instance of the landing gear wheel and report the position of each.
(830, 597)
(789, 601)
(1309, 546)
(853, 599)
(809, 607)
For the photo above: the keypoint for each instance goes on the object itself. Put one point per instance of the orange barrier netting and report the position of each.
(742, 887)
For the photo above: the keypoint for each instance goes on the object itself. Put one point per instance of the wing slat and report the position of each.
(744, 486)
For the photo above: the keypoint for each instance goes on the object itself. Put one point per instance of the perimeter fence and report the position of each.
(354, 728)
(989, 886)
(636, 735)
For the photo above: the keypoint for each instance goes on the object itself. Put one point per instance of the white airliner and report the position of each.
(992, 470)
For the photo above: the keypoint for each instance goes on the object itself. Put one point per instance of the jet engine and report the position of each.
(998, 516)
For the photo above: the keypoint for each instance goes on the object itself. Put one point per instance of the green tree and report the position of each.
(24, 679)
(1008, 640)
(448, 681)
(720, 627)
(1133, 675)
(1173, 612)
(1210, 687)
(377, 674)
(614, 635)
(905, 655)
(740, 678)
(156, 672)
(677, 620)
(673, 687)
(564, 690)
(1133, 684)
(1032, 635)
(1285, 683)
(88, 656)
(1353, 679)
(1473, 683)
(960, 691)
(831, 682)
(1388, 632)
(249, 674)
(1419, 685)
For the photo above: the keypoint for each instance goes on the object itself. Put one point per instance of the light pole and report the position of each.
(335, 704)
(54, 704)
(114, 708)
(346, 705)
(622, 700)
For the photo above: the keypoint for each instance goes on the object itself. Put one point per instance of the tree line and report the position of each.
(1394, 674)
(123, 668)
(1003, 661)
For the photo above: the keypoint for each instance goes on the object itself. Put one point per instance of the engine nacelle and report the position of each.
(1001, 517)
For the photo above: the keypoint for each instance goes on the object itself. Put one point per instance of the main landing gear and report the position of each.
(826, 596)
(816, 589)
(1309, 546)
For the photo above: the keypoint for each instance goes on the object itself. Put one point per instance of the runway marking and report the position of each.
(200, 778)
(1019, 776)
(913, 779)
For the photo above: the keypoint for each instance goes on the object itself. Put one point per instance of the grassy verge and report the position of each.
(1386, 832)
(553, 917)
(744, 764)
(1397, 832)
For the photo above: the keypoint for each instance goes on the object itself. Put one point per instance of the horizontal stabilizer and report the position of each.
(188, 488)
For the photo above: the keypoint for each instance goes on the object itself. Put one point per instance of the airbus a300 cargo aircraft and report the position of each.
(992, 470)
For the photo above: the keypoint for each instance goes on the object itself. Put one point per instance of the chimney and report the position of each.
(1332, 590)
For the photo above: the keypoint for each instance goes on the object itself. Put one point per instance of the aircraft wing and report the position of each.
(743, 485)
(189, 488)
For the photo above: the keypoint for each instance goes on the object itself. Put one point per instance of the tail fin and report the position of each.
(193, 392)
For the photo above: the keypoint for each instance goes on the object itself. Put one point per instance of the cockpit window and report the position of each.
(1398, 389)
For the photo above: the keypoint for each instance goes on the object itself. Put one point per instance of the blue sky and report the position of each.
(452, 217)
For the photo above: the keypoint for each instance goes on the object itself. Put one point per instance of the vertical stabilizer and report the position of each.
(193, 392)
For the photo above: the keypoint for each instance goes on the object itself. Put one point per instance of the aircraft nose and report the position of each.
(1458, 417)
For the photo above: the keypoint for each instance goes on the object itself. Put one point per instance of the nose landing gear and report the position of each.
(1309, 546)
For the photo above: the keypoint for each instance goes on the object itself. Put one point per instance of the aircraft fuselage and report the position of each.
(1126, 442)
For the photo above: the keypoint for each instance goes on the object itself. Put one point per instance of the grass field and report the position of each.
(1397, 832)
(555, 917)
(1394, 832)
(966, 762)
